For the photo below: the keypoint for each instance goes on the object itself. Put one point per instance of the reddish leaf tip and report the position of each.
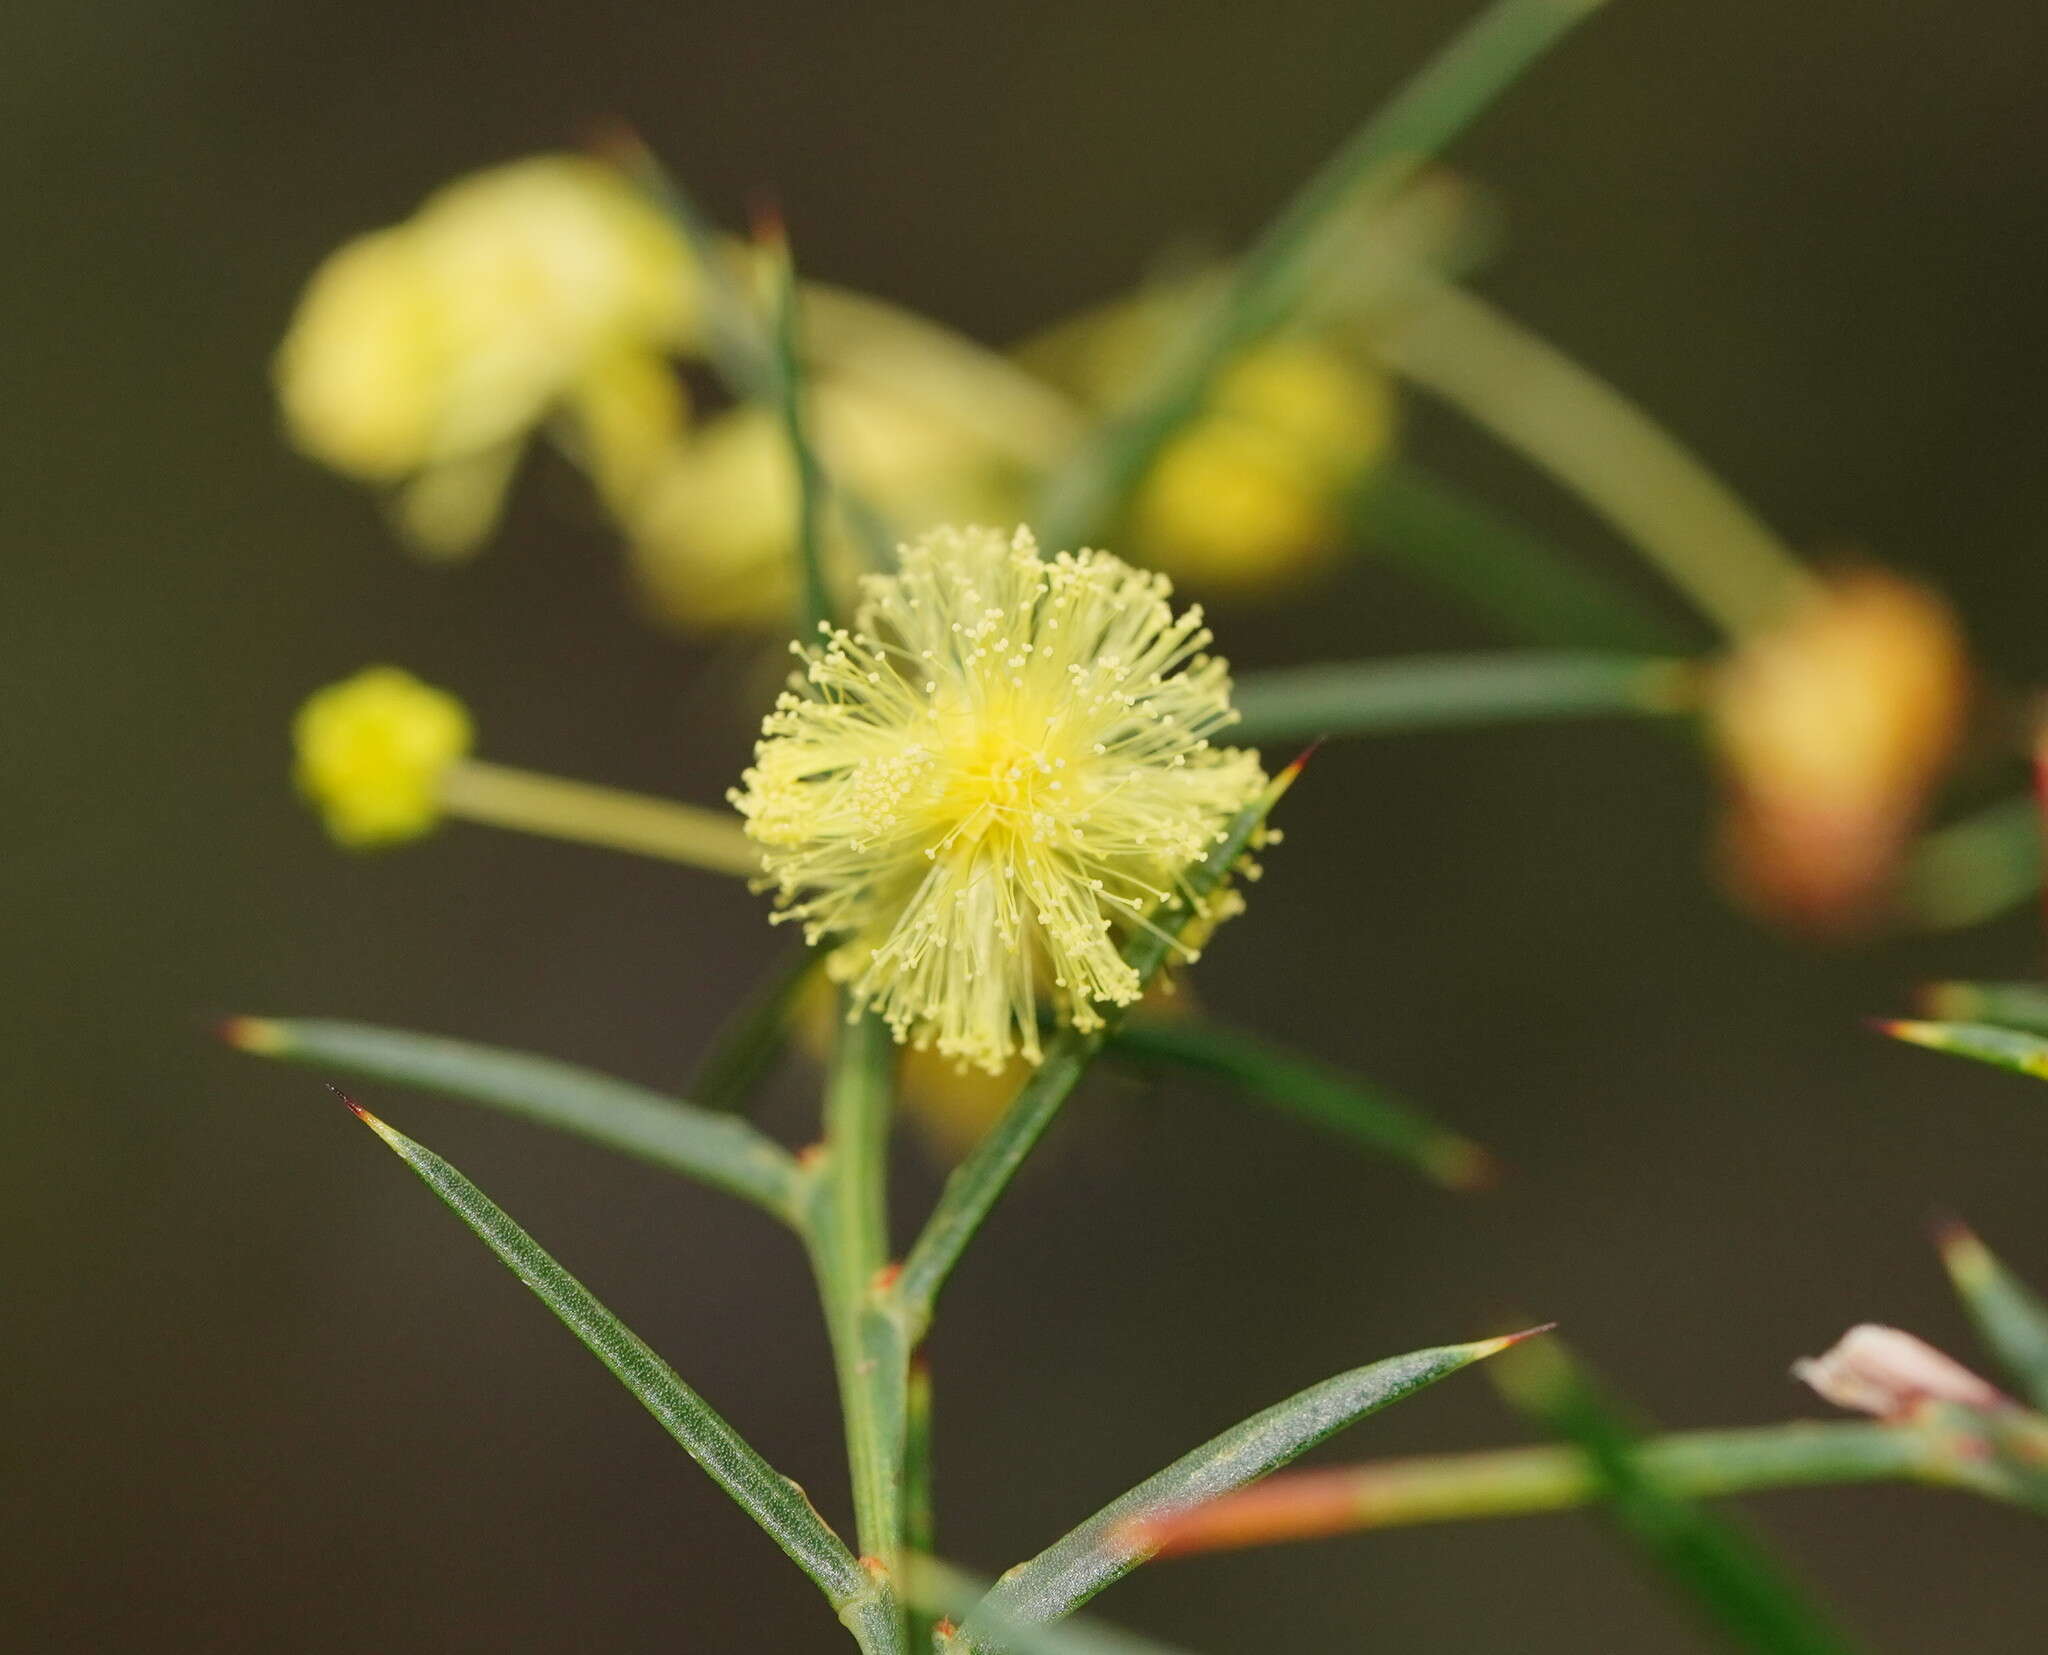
(354, 1108)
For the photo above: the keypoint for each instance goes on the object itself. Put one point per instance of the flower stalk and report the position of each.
(583, 813)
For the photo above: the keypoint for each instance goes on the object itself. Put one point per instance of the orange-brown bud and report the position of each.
(1832, 729)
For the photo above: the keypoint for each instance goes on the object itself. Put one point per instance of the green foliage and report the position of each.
(1114, 1541)
(1422, 692)
(1295, 1085)
(1706, 1556)
(715, 1149)
(770, 1498)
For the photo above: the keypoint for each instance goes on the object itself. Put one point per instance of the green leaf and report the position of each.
(938, 1589)
(1115, 1540)
(978, 1181)
(714, 1149)
(2025, 1054)
(1447, 95)
(1421, 692)
(748, 1046)
(1315, 1092)
(2011, 1317)
(1502, 570)
(1977, 868)
(767, 1496)
(1727, 1574)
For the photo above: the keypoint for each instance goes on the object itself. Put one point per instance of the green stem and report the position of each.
(814, 598)
(920, 1518)
(1502, 570)
(1522, 1482)
(1604, 448)
(978, 1181)
(1443, 98)
(846, 1228)
(1421, 692)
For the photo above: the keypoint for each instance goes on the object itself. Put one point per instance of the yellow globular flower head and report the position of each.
(1249, 495)
(421, 355)
(371, 752)
(1002, 770)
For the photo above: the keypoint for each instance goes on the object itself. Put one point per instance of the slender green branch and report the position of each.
(939, 1589)
(1599, 444)
(846, 1227)
(1976, 868)
(1447, 95)
(1502, 570)
(746, 1048)
(1710, 1557)
(1525, 1482)
(1420, 692)
(714, 1149)
(978, 1181)
(1307, 1089)
(920, 1517)
(814, 597)
(770, 1498)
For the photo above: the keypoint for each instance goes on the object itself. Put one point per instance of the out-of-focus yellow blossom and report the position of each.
(713, 541)
(1006, 765)
(1249, 495)
(422, 355)
(371, 753)
(1832, 729)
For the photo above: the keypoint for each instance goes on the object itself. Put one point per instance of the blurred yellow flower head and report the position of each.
(1006, 765)
(713, 540)
(1832, 729)
(1249, 495)
(371, 752)
(422, 355)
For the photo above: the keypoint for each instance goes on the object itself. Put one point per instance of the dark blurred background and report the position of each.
(262, 1392)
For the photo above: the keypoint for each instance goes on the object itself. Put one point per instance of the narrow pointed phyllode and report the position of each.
(2025, 1054)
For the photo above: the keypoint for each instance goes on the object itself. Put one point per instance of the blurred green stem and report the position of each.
(1977, 868)
(1602, 447)
(1501, 570)
(1443, 98)
(814, 597)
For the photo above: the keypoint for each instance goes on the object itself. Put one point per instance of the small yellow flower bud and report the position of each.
(372, 750)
